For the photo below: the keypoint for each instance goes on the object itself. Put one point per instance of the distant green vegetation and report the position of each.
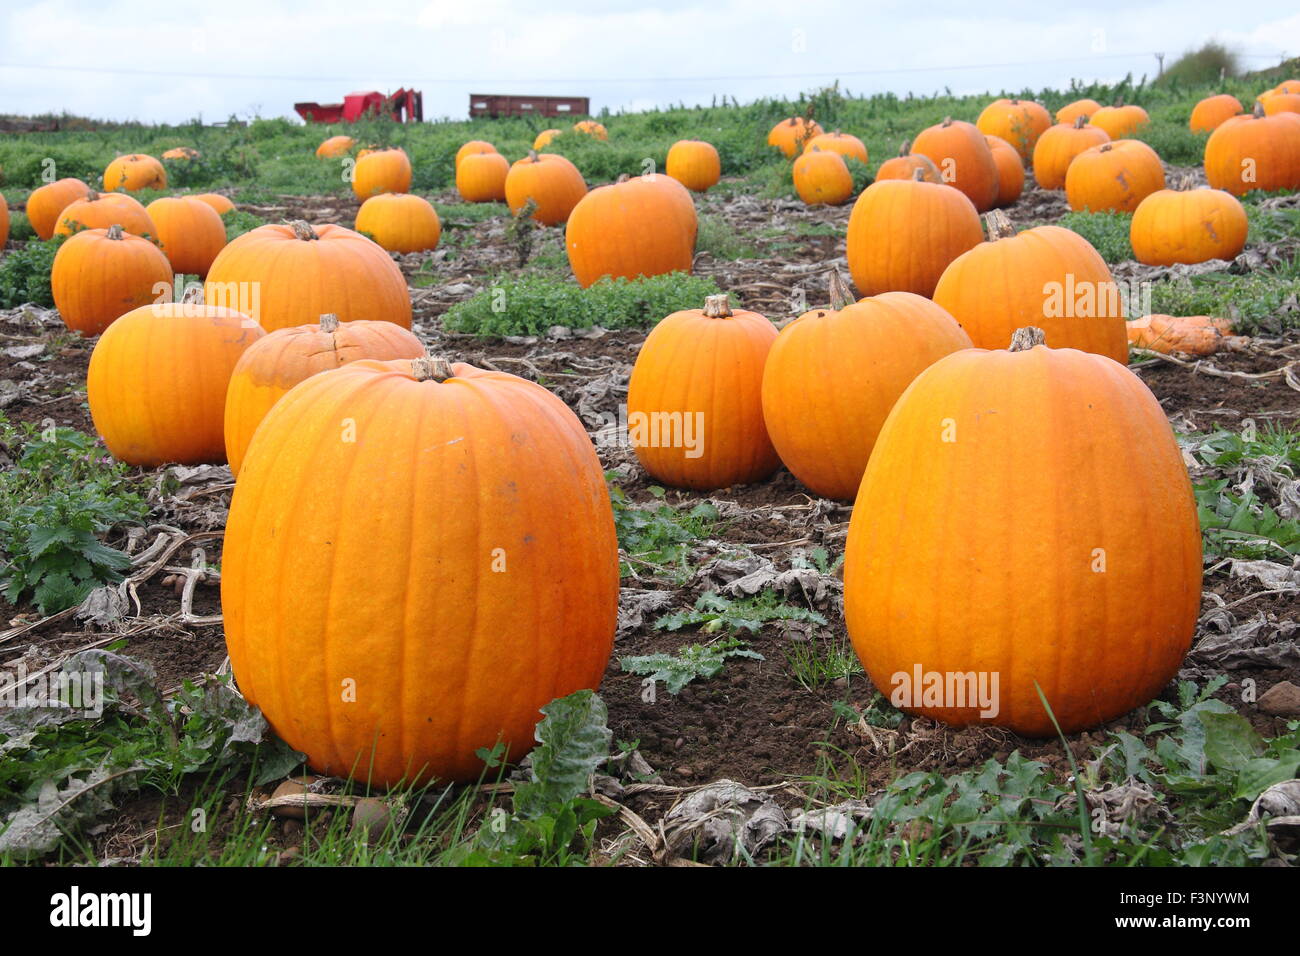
(1203, 66)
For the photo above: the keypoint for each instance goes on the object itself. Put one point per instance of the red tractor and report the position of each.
(404, 106)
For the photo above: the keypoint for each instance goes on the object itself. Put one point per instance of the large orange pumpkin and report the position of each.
(475, 147)
(1254, 151)
(695, 164)
(101, 274)
(964, 159)
(833, 375)
(397, 603)
(400, 222)
(906, 164)
(101, 210)
(292, 273)
(335, 146)
(1018, 122)
(1120, 122)
(45, 204)
(1070, 112)
(630, 228)
(1210, 112)
(1189, 225)
(552, 182)
(1113, 177)
(694, 401)
(821, 177)
(1057, 148)
(928, 226)
(383, 171)
(133, 172)
(1044, 495)
(481, 177)
(157, 382)
(791, 134)
(1011, 171)
(1048, 277)
(191, 232)
(850, 147)
(283, 358)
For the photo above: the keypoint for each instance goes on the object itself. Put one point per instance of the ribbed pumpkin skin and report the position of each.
(628, 229)
(1007, 518)
(157, 382)
(695, 164)
(790, 135)
(106, 209)
(1266, 148)
(964, 159)
(1113, 177)
(1011, 171)
(96, 279)
(191, 232)
(1057, 148)
(279, 361)
(296, 281)
(445, 654)
(46, 203)
(832, 377)
(1017, 122)
(822, 178)
(134, 172)
(1001, 286)
(1209, 113)
(475, 147)
(551, 181)
(1068, 113)
(848, 146)
(689, 364)
(400, 222)
(928, 225)
(1119, 122)
(221, 204)
(905, 167)
(335, 146)
(481, 177)
(383, 171)
(1192, 226)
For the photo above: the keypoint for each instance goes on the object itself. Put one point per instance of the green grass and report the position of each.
(1107, 231)
(1254, 301)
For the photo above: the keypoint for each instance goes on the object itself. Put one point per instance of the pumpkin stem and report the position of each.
(906, 148)
(1022, 340)
(302, 230)
(947, 121)
(622, 178)
(1106, 147)
(91, 195)
(1080, 121)
(918, 174)
(532, 155)
(1186, 182)
(193, 295)
(841, 297)
(717, 307)
(999, 225)
(329, 322)
(115, 231)
(1258, 111)
(432, 367)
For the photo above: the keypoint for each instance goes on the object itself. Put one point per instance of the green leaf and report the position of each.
(573, 741)
(1230, 741)
(1260, 773)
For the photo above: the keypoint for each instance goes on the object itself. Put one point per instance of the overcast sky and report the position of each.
(170, 62)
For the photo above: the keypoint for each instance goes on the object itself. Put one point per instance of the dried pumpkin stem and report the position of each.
(905, 148)
(432, 368)
(91, 195)
(919, 174)
(1024, 339)
(1081, 121)
(115, 231)
(302, 230)
(1186, 182)
(947, 121)
(1258, 111)
(532, 155)
(717, 307)
(999, 225)
(193, 295)
(841, 297)
(329, 322)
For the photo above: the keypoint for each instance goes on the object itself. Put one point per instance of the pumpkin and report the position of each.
(1190, 334)
(101, 210)
(1212, 111)
(964, 159)
(276, 363)
(550, 181)
(133, 172)
(928, 225)
(473, 148)
(833, 375)
(1254, 151)
(186, 153)
(4, 221)
(1188, 226)
(1070, 112)
(367, 150)
(1113, 177)
(1011, 171)
(544, 138)
(45, 204)
(335, 146)
(396, 604)
(680, 197)
(630, 228)
(1048, 276)
(791, 134)
(1057, 148)
(1286, 86)
(694, 401)
(695, 164)
(850, 147)
(905, 165)
(1276, 103)
(288, 274)
(591, 128)
(481, 177)
(191, 232)
(383, 171)
(222, 204)
(1119, 122)
(1044, 494)
(822, 177)
(157, 382)
(101, 274)
(400, 222)
(1018, 122)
